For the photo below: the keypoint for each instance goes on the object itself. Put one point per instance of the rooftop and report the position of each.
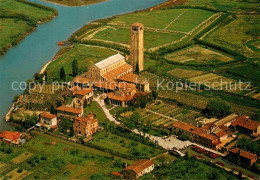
(129, 77)
(243, 153)
(225, 120)
(140, 165)
(90, 118)
(109, 76)
(48, 115)
(84, 92)
(111, 95)
(245, 122)
(69, 109)
(10, 135)
(82, 80)
(109, 61)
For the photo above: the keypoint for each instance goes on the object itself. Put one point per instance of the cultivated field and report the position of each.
(164, 114)
(168, 26)
(197, 54)
(85, 55)
(236, 33)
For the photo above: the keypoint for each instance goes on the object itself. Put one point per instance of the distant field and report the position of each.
(75, 2)
(122, 35)
(231, 5)
(85, 55)
(236, 33)
(167, 26)
(197, 54)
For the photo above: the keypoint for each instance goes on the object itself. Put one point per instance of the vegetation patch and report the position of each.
(185, 73)
(75, 2)
(21, 158)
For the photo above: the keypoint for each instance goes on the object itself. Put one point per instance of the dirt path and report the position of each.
(175, 19)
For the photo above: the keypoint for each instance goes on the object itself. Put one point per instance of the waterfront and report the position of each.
(27, 58)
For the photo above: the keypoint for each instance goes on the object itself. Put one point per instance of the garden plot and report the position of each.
(21, 158)
(172, 112)
(15, 174)
(185, 73)
(197, 54)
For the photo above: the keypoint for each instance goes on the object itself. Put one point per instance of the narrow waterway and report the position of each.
(23, 60)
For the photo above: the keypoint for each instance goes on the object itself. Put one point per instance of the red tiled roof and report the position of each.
(244, 154)
(129, 77)
(117, 174)
(75, 89)
(111, 95)
(124, 85)
(221, 133)
(9, 135)
(81, 80)
(139, 166)
(48, 115)
(84, 92)
(105, 85)
(86, 119)
(69, 109)
(109, 76)
(245, 122)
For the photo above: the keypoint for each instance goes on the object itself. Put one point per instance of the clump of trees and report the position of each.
(62, 74)
(218, 108)
(6, 149)
(75, 67)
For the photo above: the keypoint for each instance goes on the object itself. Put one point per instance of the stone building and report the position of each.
(83, 97)
(241, 157)
(85, 126)
(137, 47)
(47, 121)
(69, 112)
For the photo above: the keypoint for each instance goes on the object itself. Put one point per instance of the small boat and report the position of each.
(60, 43)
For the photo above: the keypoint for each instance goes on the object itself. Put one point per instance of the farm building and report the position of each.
(138, 169)
(246, 125)
(69, 112)
(242, 157)
(83, 97)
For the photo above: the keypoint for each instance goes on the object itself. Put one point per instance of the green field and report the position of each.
(197, 54)
(64, 159)
(166, 27)
(151, 38)
(234, 34)
(85, 55)
(183, 20)
(15, 7)
(11, 30)
(95, 108)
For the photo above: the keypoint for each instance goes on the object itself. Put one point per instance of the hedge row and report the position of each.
(196, 7)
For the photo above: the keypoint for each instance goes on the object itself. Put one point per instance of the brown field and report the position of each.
(14, 175)
(21, 158)
(197, 54)
(185, 73)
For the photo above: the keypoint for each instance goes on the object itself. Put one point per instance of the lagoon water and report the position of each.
(27, 58)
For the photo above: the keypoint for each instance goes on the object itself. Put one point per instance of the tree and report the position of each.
(137, 68)
(52, 110)
(218, 107)
(62, 74)
(154, 94)
(59, 103)
(75, 67)
(16, 97)
(36, 76)
(240, 174)
(46, 75)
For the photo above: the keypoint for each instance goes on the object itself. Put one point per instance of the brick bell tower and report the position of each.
(137, 47)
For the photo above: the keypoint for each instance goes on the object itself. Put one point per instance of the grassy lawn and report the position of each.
(239, 31)
(151, 38)
(197, 54)
(122, 145)
(75, 2)
(85, 55)
(94, 107)
(65, 159)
